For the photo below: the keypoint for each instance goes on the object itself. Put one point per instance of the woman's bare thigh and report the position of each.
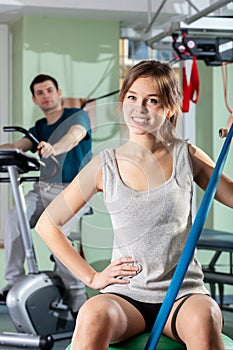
(123, 318)
(194, 310)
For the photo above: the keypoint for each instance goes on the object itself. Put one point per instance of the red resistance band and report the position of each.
(191, 91)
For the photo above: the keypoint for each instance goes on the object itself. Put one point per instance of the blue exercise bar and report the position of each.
(190, 246)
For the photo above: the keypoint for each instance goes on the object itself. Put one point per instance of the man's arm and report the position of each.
(71, 139)
(22, 144)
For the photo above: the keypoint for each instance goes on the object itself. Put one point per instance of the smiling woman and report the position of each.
(147, 185)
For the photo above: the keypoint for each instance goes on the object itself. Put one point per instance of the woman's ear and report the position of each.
(169, 114)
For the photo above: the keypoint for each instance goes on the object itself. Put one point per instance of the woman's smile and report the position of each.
(140, 120)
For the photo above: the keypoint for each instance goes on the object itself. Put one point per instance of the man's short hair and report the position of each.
(40, 79)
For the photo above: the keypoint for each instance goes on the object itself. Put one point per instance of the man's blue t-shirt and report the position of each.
(74, 160)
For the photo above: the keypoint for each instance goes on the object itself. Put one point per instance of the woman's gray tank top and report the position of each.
(152, 227)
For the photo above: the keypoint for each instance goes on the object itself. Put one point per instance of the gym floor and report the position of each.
(6, 326)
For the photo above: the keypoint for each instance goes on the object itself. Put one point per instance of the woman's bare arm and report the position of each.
(62, 208)
(203, 167)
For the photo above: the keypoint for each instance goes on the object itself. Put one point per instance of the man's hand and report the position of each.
(45, 149)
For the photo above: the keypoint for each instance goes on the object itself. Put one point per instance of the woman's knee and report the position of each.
(208, 319)
(200, 316)
(207, 326)
(96, 310)
(94, 328)
(208, 312)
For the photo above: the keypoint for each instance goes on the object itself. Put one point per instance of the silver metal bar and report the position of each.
(161, 35)
(206, 11)
(155, 16)
(149, 11)
(22, 217)
(25, 340)
(192, 5)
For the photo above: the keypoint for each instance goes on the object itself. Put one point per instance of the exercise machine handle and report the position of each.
(33, 139)
(22, 130)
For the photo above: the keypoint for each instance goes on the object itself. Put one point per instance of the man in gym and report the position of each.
(63, 133)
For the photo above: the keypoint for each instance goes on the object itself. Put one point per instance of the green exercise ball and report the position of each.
(165, 343)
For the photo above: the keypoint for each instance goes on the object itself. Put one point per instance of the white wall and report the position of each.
(5, 113)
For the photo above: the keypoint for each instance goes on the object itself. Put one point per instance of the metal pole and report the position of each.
(22, 217)
(24, 340)
(206, 11)
(192, 5)
(155, 16)
(189, 247)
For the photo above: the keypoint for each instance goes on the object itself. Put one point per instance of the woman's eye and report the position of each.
(152, 101)
(130, 97)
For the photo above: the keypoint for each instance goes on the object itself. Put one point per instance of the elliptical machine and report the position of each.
(37, 303)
